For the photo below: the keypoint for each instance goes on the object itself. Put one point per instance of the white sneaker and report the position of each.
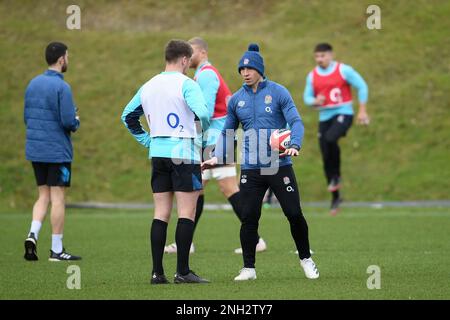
(260, 247)
(310, 251)
(246, 274)
(172, 248)
(310, 268)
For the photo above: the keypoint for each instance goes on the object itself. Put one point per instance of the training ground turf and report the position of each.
(410, 245)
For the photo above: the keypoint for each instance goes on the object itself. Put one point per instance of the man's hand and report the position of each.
(362, 117)
(208, 164)
(320, 100)
(290, 152)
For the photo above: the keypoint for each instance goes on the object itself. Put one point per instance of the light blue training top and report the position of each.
(209, 83)
(351, 76)
(169, 147)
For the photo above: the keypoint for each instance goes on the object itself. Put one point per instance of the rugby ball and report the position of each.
(280, 140)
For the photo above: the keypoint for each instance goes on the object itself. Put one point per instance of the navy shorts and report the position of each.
(52, 174)
(169, 175)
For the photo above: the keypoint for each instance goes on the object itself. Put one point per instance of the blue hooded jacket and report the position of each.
(49, 116)
(261, 113)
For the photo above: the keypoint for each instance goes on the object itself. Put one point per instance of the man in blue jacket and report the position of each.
(50, 117)
(262, 106)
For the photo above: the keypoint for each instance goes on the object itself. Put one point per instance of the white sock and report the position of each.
(57, 246)
(35, 228)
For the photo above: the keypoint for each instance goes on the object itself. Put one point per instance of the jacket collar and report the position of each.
(261, 86)
(49, 72)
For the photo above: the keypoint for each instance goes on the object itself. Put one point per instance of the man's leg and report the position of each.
(58, 179)
(284, 186)
(253, 187)
(325, 149)
(334, 170)
(158, 233)
(200, 204)
(186, 203)
(338, 129)
(162, 188)
(226, 179)
(229, 188)
(57, 213)
(40, 210)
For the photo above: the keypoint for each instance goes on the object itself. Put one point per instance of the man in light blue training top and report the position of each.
(328, 90)
(263, 106)
(171, 103)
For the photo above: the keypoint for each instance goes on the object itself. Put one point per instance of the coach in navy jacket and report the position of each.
(50, 117)
(262, 106)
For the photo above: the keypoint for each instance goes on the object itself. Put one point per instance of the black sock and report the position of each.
(199, 209)
(299, 231)
(183, 239)
(158, 235)
(335, 194)
(235, 201)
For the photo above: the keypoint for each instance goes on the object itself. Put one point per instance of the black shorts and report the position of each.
(169, 175)
(52, 174)
(335, 128)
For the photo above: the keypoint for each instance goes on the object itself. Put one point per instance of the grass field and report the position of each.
(403, 155)
(411, 246)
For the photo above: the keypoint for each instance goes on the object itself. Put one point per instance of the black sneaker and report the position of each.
(191, 277)
(30, 248)
(335, 184)
(158, 279)
(335, 206)
(63, 256)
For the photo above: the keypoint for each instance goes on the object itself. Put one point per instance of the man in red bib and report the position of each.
(328, 90)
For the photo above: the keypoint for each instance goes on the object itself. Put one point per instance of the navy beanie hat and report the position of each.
(252, 59)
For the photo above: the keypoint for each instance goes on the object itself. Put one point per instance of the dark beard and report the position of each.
(64, 68)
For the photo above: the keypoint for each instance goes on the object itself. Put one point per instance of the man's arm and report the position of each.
(355, 80)
(292, 117)
(209, 83)
(130, 117)
(67, 109)
(308, 93)
(196, 102)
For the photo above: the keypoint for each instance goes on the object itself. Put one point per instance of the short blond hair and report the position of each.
(197, 41)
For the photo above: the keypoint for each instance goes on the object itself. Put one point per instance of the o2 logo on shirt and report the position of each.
(173, 120)
(336, 95)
